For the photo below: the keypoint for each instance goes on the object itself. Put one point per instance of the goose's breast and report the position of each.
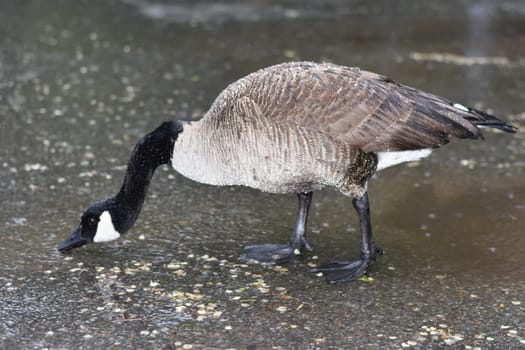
(284, 159)
(269, 157)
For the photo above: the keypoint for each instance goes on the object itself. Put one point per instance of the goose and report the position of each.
(292, 128)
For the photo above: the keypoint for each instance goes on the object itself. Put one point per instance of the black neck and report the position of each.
(150, 152)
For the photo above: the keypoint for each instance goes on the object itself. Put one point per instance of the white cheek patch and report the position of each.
(105, 229)
(388, 159)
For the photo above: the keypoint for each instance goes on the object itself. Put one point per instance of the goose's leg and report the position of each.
(344, 271)
(283, 253)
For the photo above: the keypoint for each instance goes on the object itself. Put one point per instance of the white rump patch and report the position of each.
(460, 106)
(105, 229)
(388, 159)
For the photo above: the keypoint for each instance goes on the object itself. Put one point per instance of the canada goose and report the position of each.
(292, 128)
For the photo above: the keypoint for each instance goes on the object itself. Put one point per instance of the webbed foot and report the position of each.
(283, 253)
(272, 254)
(344, 271)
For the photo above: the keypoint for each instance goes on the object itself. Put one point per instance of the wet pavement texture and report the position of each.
(82, 81)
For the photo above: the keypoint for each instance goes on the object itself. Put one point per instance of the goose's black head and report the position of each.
(101, 222)
(107, 220)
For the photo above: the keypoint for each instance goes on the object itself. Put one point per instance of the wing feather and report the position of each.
(364, 109)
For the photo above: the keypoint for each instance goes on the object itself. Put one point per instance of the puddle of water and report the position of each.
(80, 85)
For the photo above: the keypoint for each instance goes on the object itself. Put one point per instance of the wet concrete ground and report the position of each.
(81, 82)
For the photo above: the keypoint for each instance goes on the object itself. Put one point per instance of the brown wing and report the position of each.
(362, 108)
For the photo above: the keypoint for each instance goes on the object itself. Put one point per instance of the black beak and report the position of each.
(74, 241)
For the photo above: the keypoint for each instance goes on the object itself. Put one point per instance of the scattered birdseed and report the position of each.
(515, 302)
(180, 273)
(453, 339)
(280, 269)
(282, 309)
(173, 265)
(180, 308)
(366, 279)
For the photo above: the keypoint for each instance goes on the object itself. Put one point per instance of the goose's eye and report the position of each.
(92, 221)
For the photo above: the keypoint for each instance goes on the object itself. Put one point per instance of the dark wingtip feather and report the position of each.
(483, 119)
(499, 125)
